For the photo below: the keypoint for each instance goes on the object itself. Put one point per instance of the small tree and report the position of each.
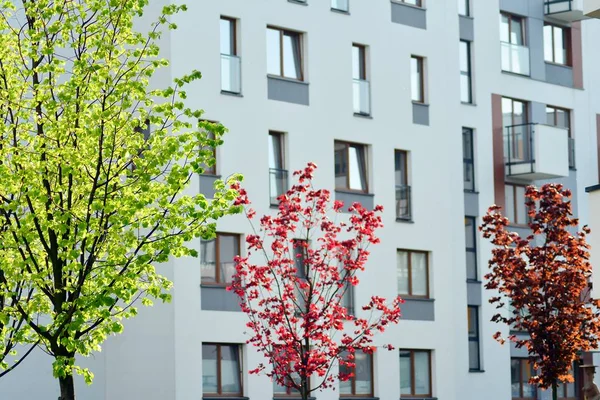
(294, 299)
(545, 278)
(95, 167)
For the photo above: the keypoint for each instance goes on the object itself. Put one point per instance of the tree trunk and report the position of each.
(554, 391)
(305, 389)
(67, 388)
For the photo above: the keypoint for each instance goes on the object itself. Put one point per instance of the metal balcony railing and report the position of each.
(231, 74)
(518, 146)
(341, 5)
(361, 97)
(515, 58)
(403, 202)
(278, 184)
(557, 6)
(571, 153)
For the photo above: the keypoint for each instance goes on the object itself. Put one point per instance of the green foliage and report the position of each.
(89, 205)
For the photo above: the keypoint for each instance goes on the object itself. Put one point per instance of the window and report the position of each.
(568, 391)
(512, 29)
(286, 391)
(556, 44)
(417, 3)
(216, 258)
(230, 62)
(210, 169)
(278, 175)
(471, 247)
(415, 373)
(284, 53)
(466, 90)
(361, 383)
(403, 195)
(561, 118)
(340, 5)
(514, 203)
(517, 130)
(413, 273)
(468, 159)
(520, 372)
(464, 7)
(473, 322)
(417, 79)
(350, 166)
(360, 85)
(221, 370)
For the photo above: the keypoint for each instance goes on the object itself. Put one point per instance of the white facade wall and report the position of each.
(159, 354)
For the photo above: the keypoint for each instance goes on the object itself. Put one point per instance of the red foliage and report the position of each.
(297, 317)
(544, 277)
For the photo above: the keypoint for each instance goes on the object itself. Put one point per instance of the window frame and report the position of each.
(219, 373)
(232, 32)
(555, 110)
(409, 295)
(468, 73)
(473, 249)
(362, 147)
(469, 159)
(412, 373)
(281, 139)
(522, 20)
(362, 56)
(513, 219)
(353, 381)
(522, 362)
(467, 4)
(477, 337)
(420, 66)
(218, 282)
(300, 36)
(567, 42)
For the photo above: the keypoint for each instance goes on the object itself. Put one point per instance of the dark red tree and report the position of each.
(294, 296)
(544, 277)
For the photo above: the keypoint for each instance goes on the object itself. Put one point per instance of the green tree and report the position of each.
(95, 167)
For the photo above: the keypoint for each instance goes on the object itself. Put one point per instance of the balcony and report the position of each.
(361, 97)
(515, 58)
(565, 10)
(536, 151)
(340, 5)
(231, 74)
(278, 184)
(403, 203)
(591, 8)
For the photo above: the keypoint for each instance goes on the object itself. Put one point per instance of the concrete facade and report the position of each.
(159, 355)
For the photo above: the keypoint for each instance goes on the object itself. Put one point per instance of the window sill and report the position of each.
(468, 103)
(558, 64)
(225, 397)
(413, 298)
(473, 281)
(214, 285)
(476, 371)
(405, 220)
(408, 5)
(336, 10)
(283, 78)
(359, 115)
(516, 74)
(420, 103)
(300, 3)
(470, 191)
(466, 16)
(211, 175)
(233, 94)
(521, 226)
(358, 192)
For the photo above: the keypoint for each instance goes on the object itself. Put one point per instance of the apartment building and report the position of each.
(434, 109)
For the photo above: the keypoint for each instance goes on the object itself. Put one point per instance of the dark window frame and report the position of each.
(362, 55)
(409, 295)
(364, 149)
(473, 249)
(420, 67)
(469, 159)
(468, 73)
(218, 282)
(352, 379)
(513, 218)
(240, 367)
(523, 363)
(522, 21)
(412, 373)
(233, 33)
(300, 38)
(475, 337)
(567, 42)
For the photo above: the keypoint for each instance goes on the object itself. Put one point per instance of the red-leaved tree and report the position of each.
(544, 277)
(294, 297)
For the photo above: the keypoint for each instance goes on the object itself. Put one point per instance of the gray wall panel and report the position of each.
(287, 90)
(559, 74)
(409, 15)
(535, 42)
(367, 200)
(218, 299)
(537, 112)
(207, 183)
(420, 114)
(471, 204)
(418, 310)
(466, 28)
(474, 293)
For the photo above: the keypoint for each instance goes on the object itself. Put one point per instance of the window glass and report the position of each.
(230, 370)
(465, 71)
(405, 373)
(362, 373)
(400, 172)
(358, 179)
(470, 232)
(208, 261)
(227, 36)
(402, 272)
(419, 274)
(358, 62)
(521, 217)
(509, 201)
(291, 55)
(416, 74)
(516, 31)
(273, 52)
(529, 390)
(228, 249)
(468, 167)
(209, 368)
(422, 373)
(504, 28)
(341, 165)
(275, 151)
(562, 118)
(463, 7)
(548, 46)
(560, 50)
(471, 265)
(515, 378)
